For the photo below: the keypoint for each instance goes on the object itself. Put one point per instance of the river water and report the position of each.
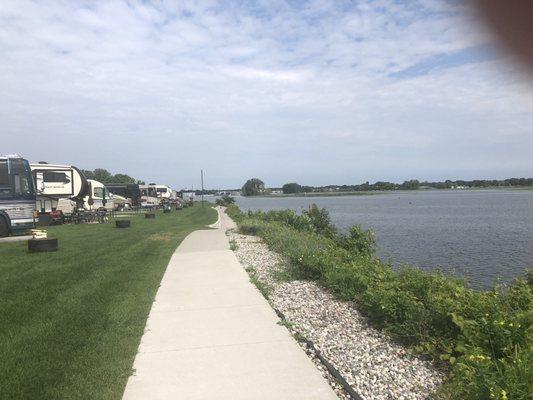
(479, 234)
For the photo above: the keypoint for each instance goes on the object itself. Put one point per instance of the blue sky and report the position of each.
(316, 92)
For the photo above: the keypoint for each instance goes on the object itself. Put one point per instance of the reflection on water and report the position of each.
(480, 234)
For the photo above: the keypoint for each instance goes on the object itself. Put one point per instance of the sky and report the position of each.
(314, 92)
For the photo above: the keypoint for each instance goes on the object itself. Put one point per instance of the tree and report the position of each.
(102, 175)
(413, 184)
(289, 188)
(123, 178)
(88, 173)
(253, 187)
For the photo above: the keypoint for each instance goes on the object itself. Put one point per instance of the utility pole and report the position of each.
(202, 176)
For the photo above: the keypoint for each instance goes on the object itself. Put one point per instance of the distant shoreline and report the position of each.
(377, 192)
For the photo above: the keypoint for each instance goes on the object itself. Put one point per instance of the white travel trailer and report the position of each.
(148, 196)
(153, 195)
(164, 192)
(188, 196)
(120, 202)
(154, 190)
(59, 187)
(17, 195)
(98, 197)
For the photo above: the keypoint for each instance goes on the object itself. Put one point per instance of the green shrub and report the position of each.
(225, 201)
(483, 338)
(234, 213)
(358, 240)
(320, 219)
(313, 220)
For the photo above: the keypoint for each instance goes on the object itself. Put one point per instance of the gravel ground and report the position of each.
(373, 365)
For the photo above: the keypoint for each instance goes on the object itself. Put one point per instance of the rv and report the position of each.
(60, 189)
(17, 195)
(153, 195)
(154, 190)
(98, 197)
(130, 192)
(163, 192)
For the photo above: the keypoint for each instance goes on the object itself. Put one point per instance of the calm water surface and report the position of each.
(479, 234)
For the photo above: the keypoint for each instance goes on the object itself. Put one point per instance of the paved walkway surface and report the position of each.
(211, 335)
(11, 239)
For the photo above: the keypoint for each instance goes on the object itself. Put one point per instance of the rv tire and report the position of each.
(4, 227)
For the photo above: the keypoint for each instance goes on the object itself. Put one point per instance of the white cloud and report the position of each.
(154, 88)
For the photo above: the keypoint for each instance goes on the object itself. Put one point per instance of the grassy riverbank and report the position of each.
(71, 321)
(483, 339)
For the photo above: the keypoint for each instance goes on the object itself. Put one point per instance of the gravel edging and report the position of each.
(374, 366)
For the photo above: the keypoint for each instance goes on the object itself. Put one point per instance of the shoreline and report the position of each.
(400, 191)
(372, 364)
(424, 313)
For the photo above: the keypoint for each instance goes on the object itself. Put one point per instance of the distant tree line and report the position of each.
(104, 176)
(413, 184)
(256, 186)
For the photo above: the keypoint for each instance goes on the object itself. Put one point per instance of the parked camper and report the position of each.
(60, 189)
(130, 192)
(149, 196)
(98, 197)
(17, 195)
(163, 192)
(120, 202)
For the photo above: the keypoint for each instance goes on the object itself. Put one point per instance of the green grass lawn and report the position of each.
(71, 321)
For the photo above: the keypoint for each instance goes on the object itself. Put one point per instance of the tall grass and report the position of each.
(483, 339)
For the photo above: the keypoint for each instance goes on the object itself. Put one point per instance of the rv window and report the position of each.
(51, 176)
(5, 187)
(21, 178)
(99, 192)
(161, 190)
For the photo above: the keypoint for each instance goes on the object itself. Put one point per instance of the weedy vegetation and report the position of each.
(483, 339)
(233, 246)
(225, 201)
(264, 289)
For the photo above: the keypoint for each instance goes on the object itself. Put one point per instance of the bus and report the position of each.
(17, 195)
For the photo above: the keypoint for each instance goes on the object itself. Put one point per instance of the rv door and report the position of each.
(39, 182)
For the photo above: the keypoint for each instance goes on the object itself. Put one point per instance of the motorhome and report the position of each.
(98, 197)
(154, 195)
(17, 195)
(120, 202)
(154, 190)
(128, 191)
(59, 188)
(164, 192)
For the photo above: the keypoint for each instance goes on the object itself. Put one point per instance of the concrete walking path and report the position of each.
(211, 334)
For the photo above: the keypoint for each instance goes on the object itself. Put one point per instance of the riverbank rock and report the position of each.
(374, 366)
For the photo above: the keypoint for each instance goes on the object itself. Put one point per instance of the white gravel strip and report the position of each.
(375, 367)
